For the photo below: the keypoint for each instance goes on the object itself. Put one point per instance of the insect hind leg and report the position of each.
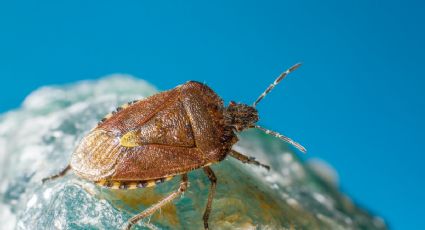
(151, 210)
(247, 160)
(213, 180)
(60, 174)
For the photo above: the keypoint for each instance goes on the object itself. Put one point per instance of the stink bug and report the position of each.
(146, 142)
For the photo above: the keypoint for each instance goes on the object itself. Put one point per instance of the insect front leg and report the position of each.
(60, 174)
(151, 210)
(246, 159)
(213, 180)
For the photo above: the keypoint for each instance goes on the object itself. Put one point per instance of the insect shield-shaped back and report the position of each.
(167, 134)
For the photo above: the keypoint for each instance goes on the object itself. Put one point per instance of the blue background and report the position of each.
(357, 102)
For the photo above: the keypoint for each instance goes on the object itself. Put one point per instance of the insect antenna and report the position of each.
(282, 137)
(278, 79)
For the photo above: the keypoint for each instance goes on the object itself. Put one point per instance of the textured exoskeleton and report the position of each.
(146, 142)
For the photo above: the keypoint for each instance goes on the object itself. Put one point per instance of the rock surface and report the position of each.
(37, 140)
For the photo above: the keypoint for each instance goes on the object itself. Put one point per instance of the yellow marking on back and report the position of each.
(168, 178)
(129, 139)
(109, 115)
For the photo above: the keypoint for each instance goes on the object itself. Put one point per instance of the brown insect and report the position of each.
(146, 142)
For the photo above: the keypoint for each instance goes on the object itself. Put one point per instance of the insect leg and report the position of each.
(60, 174)
(151, 210)
(213, 181)
(246, 159)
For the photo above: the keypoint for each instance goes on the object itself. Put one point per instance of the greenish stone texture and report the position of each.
(37, 140)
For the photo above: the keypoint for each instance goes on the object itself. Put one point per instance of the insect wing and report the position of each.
(157, 161)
